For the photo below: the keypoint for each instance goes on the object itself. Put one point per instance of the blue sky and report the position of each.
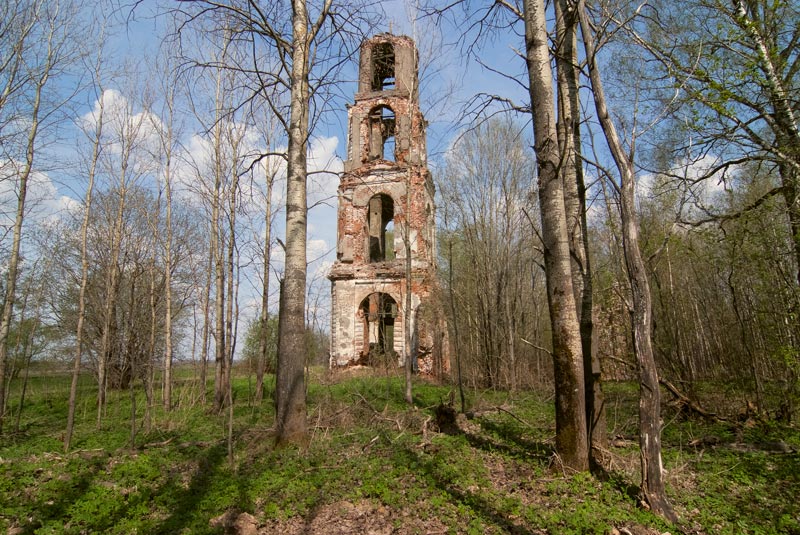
(447, 81)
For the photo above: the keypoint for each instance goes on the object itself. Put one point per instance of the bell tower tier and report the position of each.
(386, 225)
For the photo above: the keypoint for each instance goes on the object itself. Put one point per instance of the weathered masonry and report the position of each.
(385, 217)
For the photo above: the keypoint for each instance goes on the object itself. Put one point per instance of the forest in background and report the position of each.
(144, 202)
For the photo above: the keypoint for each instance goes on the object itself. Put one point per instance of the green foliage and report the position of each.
(252, 341)
(369, 452)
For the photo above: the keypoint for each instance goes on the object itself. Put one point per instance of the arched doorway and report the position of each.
(377, 312)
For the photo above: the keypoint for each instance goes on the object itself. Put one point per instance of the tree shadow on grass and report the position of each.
(435, 472)
(185, 500)
(96, 502)
(511, 442)
(57, 497)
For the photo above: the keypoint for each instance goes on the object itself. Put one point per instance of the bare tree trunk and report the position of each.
(233, 297)
(575, 203)
(13, 260)
(219, 299)
(219, 264)
(263, 346)
(132, 350)
(149, 370)
(456, 339)
(652, 486)
(167, 396)
(230, 269)
(206, 325)
(76, 366)
(230, 266)
(290, 391)
(649, 393)
(571, 439)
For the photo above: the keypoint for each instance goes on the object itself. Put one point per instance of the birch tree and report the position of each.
(315, 39)
(164, 127)
(734, 65)
(38, 43)
(562, 212)
(95, 136)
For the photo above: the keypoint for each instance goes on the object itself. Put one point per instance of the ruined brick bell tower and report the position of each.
(385, 217)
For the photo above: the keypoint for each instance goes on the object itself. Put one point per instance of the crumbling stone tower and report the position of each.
(386, 214)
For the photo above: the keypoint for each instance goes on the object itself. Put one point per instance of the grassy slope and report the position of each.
(374, 465)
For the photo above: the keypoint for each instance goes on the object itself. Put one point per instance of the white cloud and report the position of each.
(316, 249)
(121, 123)
(324, 167)
(42, 201)
(704, 184)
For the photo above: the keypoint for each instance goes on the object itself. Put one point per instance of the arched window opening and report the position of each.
(381, 133)
(378, 312)
(383, 67)
(380, 219)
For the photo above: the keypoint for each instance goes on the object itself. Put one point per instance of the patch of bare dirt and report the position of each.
(340, 518)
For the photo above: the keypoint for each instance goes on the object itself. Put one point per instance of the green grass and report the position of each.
(373, 460)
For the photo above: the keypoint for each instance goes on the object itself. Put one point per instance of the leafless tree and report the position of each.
(571, 437)
(652, 483)
(494, 255)
(39, 40)
(304, 61)
(95, 137)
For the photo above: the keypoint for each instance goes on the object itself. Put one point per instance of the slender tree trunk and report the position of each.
(206, 325)
(263, 346)
(511, 336)
(290, 390)
(76, 365)
(149, 369)
(456, 339)
(571, 440)
(13, 260)
(652, 486)
(649, 393)
(230, 273)
(132, 349)
(219, 300)
(168, 274)
(233, 298)
(219, 264)
(575, 203)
